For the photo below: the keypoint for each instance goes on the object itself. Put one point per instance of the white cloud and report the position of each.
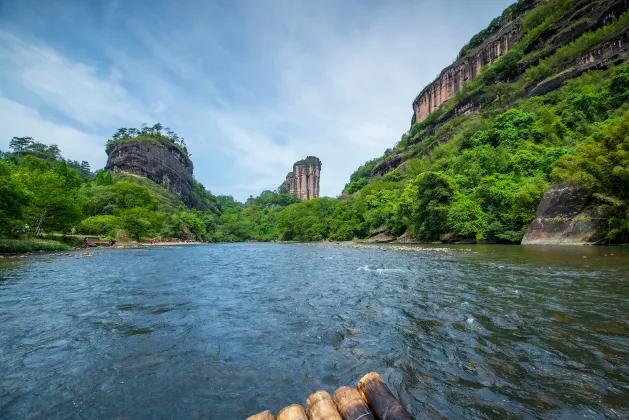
(88, 95)
(19, 120)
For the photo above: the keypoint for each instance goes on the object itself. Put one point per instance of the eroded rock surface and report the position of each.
(303, 182)
(566, 30)
(163, 163)
(566, 216)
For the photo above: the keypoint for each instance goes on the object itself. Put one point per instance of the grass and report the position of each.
(30, 245)
(168, 201)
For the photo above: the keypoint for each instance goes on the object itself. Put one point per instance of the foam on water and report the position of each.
(232, 330)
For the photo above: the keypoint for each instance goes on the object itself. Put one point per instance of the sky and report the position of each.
(252, 85)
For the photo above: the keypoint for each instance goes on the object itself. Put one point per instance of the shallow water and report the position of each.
(225, 331)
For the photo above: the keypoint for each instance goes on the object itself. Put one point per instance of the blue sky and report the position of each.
(252, 85)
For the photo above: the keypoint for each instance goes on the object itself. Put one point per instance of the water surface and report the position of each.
(225, 331)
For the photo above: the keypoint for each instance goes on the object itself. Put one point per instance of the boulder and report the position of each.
(566, 216)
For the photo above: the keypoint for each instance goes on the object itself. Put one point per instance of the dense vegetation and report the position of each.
(475, 176)
(482, 175)
(43, 193)
(157, 134)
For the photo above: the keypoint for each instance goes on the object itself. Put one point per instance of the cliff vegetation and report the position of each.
(553, 108)
(157, 134)
(535, 112)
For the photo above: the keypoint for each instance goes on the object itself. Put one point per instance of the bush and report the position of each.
(100, 225)
(30, 245)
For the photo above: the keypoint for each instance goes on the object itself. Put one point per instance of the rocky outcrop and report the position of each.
(585, 18)
(159, 161)
(465, 69)
(614, 52)
(388, 164)
(566, 216)
(303, 182)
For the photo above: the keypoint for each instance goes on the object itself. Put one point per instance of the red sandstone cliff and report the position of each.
(466, 68)
(303, 182)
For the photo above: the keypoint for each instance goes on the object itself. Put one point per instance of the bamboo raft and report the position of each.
(371, 400)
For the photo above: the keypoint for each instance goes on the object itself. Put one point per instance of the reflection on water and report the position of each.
(223, 331)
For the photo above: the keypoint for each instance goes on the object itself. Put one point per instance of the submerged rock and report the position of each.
(566, 216)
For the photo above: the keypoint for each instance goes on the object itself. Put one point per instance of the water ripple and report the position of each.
(496, 332)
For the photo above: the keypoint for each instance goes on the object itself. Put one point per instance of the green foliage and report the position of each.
(13, 203)
(129, 195)
(493, 27)
(482, 176)
(53, 205)
(103, 178)
(601, 167)
(434, 192)
(306, 221)
(30, 245)
(360, 176)
(100, 225)
(53, 194)
(139, 222)
(157, 134)
(568, 53)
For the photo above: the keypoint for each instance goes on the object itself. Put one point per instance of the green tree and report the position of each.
(20, 144)
(137, 222)
(13, 203)
(53, 205)
(129, 195)
(430, 216)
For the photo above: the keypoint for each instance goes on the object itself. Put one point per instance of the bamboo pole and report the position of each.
(265, 415)
(319, 406)
(292, 412)
(380, 399)
(350, 404)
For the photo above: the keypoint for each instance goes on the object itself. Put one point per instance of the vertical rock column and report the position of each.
(303, 182)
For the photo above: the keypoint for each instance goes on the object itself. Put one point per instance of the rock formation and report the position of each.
(565, 216)
(465, 69)
(468, 67)
(158, 160)
(303, 182)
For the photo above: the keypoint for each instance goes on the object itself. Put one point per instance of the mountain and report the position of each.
(502, 124)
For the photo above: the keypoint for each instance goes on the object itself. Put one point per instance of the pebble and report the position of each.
(393, 247)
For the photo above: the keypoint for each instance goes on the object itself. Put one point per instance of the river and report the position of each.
(225, 331)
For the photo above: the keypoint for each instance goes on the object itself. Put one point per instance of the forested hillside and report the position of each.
(539, 115)
(554, 108)
(44, 195)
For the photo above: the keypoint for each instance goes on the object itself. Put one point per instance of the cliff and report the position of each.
(584, 17)
(158, 160)
(469, 66)
(303, 182)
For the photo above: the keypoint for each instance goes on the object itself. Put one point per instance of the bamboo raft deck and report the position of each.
(371, 400)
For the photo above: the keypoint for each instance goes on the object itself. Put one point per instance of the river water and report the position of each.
(225, 331)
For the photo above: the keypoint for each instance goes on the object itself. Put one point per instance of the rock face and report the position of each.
(159, 161)
(303, 182)
(565, 216)
(468, 67)
(452, 78)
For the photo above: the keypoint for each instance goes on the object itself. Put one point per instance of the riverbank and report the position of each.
(21, 246)
(24, 246)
